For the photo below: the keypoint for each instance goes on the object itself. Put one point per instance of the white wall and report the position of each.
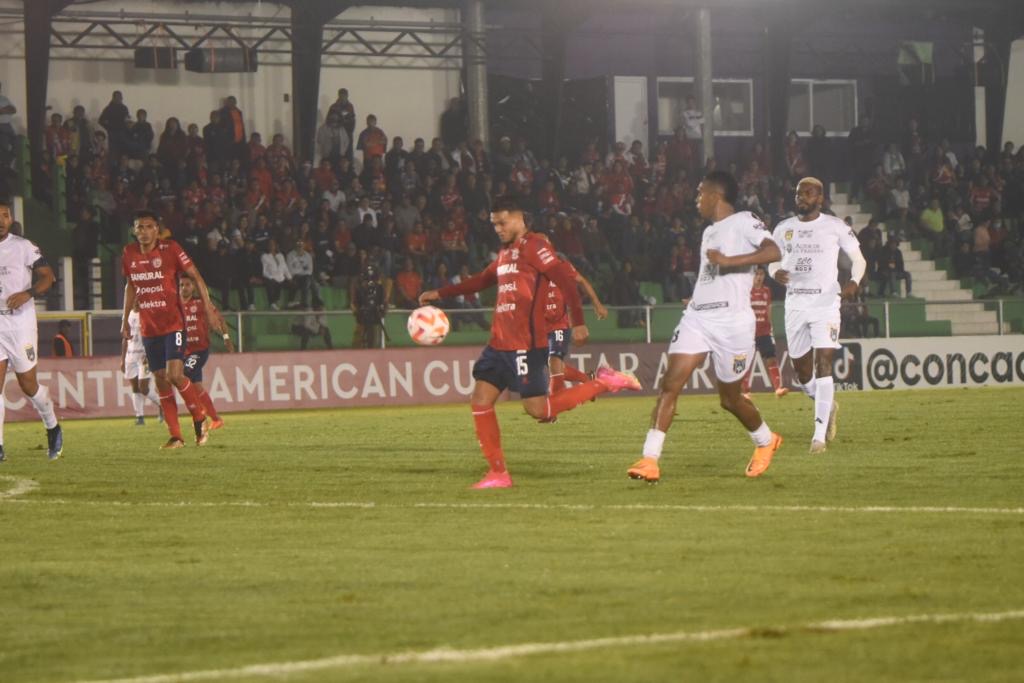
(1013, 127)
(407, 102)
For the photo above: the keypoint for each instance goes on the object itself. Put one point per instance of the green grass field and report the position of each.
(294, 537)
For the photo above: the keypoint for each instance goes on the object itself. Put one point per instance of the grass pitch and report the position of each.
(304, 535)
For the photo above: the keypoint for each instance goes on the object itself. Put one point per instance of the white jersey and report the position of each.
(726, 292)
(135, 326)
(17, 258)
(810, 254)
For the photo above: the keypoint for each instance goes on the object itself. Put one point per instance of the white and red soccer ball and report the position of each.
(428, 325)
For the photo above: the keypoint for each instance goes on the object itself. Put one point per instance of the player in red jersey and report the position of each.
(556, 314)
(761, 302)
(197, 342)
(516, 356)
(152, 267)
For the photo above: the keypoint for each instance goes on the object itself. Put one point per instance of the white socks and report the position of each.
(654, 443)
(152, 396)
(825, 392)
(44, 406)
(139, 404)
(762, 436)
(3, 410)
(808, 388)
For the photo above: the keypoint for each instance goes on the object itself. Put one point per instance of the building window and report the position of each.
(733, 109)
(831, 104)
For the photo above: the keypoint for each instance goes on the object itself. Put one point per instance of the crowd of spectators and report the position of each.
(252, 215)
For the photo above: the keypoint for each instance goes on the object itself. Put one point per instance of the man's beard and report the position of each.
(806, 211)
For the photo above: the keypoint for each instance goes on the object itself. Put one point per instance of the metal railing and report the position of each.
(98, 332)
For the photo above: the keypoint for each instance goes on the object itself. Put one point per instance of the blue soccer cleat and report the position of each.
(54, 442)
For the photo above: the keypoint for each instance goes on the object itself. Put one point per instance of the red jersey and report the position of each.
(197, 329)
(518, 322)
(155, 278)
(555, 313)
(761, 302)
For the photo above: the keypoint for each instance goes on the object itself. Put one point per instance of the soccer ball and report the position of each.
(428, 325)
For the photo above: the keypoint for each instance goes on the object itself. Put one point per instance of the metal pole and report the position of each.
(96, 284)
(704, 89)
(238, 319)
(647, 315)
(999, 315)
(886, 304)
(88, 334)
(67, 283)
(475, 60)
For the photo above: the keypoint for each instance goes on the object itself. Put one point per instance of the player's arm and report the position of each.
(42, 280)
(599, 308)
(767, 252)
(204, 293)
(564, 276)
(850, 245)
(217, 323)
(775, 270)
(129, 304)
(471, 285)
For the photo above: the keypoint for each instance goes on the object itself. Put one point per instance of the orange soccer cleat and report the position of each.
(645, 469)
(763, 456)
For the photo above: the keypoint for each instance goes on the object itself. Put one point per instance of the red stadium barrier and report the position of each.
(94, 387)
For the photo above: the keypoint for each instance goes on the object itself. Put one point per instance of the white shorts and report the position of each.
(816, 328)
(19, 348)
(135, 366)
(730, 343)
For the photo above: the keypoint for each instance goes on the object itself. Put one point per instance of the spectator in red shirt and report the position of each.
(256, 149)
(408, 285)
(372, 140)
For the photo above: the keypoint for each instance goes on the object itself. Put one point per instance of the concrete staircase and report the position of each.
(942, 295)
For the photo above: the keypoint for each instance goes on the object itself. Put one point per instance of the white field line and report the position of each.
(491, 654)
(10, 497)
(23, 486)
(20, 488)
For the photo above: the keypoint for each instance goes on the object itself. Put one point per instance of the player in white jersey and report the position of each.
(24, 275)
(718, 321)
(810, 244)
(136, 370)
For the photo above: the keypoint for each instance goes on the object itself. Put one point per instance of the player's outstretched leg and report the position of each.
(606, 379)
(575, 375)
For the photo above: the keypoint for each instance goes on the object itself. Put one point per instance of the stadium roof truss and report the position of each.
(378, 44)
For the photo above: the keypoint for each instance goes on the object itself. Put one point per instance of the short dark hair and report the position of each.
(146, 213)
(507, 203)
(726, 184)
(5, 201)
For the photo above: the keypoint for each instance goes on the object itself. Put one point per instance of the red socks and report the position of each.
(570, 398)
(575, 376)
(773, 373)
(569, 374)
(191, 397)
(170, 407)
(207, 403)
(489, 435)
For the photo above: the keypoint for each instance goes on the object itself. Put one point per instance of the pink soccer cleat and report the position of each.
(494, 480)
(617, 381)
